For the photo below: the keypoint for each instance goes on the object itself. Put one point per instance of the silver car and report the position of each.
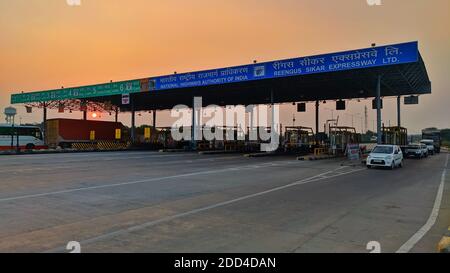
(430, 145)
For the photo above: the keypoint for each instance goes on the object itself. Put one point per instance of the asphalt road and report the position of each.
(185, 202)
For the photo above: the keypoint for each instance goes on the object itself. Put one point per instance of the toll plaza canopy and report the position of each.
(343, 75)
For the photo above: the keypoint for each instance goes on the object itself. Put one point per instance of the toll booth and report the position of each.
(147, 135)
(231, 139)
(204, 144)
(395, 136)
(340, 137)
(254, 138)
(164, 138)
(153, 138)
(250, 84)
(237, 142)
(298, 139)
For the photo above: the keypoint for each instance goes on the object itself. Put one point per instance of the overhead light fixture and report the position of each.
(340, 105)
(301, 107)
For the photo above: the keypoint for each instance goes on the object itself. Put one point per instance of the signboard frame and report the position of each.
(347, 60)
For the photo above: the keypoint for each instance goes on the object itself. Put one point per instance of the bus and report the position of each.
(30, 137)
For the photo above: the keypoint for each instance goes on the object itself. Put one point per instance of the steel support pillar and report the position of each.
(195, 133)
(378, 100)
(133, 122)
(317, 122)
(399, 117)
(44, 126)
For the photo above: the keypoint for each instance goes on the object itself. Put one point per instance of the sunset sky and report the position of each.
(46, 44)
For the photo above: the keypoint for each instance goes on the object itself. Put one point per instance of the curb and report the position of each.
(173, 151)
(60, 152)
(314, 158)
(260, 154)
(444, 244)
(218, 152)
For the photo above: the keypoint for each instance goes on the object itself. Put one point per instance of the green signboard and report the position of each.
(99, 90)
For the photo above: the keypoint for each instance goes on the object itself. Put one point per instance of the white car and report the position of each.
(425, 150)
(390, 156)
(416, 150)
(430, 145)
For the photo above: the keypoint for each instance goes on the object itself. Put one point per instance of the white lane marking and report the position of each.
(75, 159)
(64, 166)
(9, 171)
(406, 247)
(73, 155)
(134, 182)
(315, 178)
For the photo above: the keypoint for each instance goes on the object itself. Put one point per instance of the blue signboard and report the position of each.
(355, 59)
(348, 60)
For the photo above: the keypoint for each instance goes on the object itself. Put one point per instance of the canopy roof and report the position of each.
(342, 75)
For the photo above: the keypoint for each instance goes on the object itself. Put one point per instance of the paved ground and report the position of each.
(153, 202)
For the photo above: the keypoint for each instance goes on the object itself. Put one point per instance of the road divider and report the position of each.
(261, 154)
(316, 157)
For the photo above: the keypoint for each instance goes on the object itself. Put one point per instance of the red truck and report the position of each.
(65, 132)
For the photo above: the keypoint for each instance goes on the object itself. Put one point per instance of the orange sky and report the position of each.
(47, 44)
